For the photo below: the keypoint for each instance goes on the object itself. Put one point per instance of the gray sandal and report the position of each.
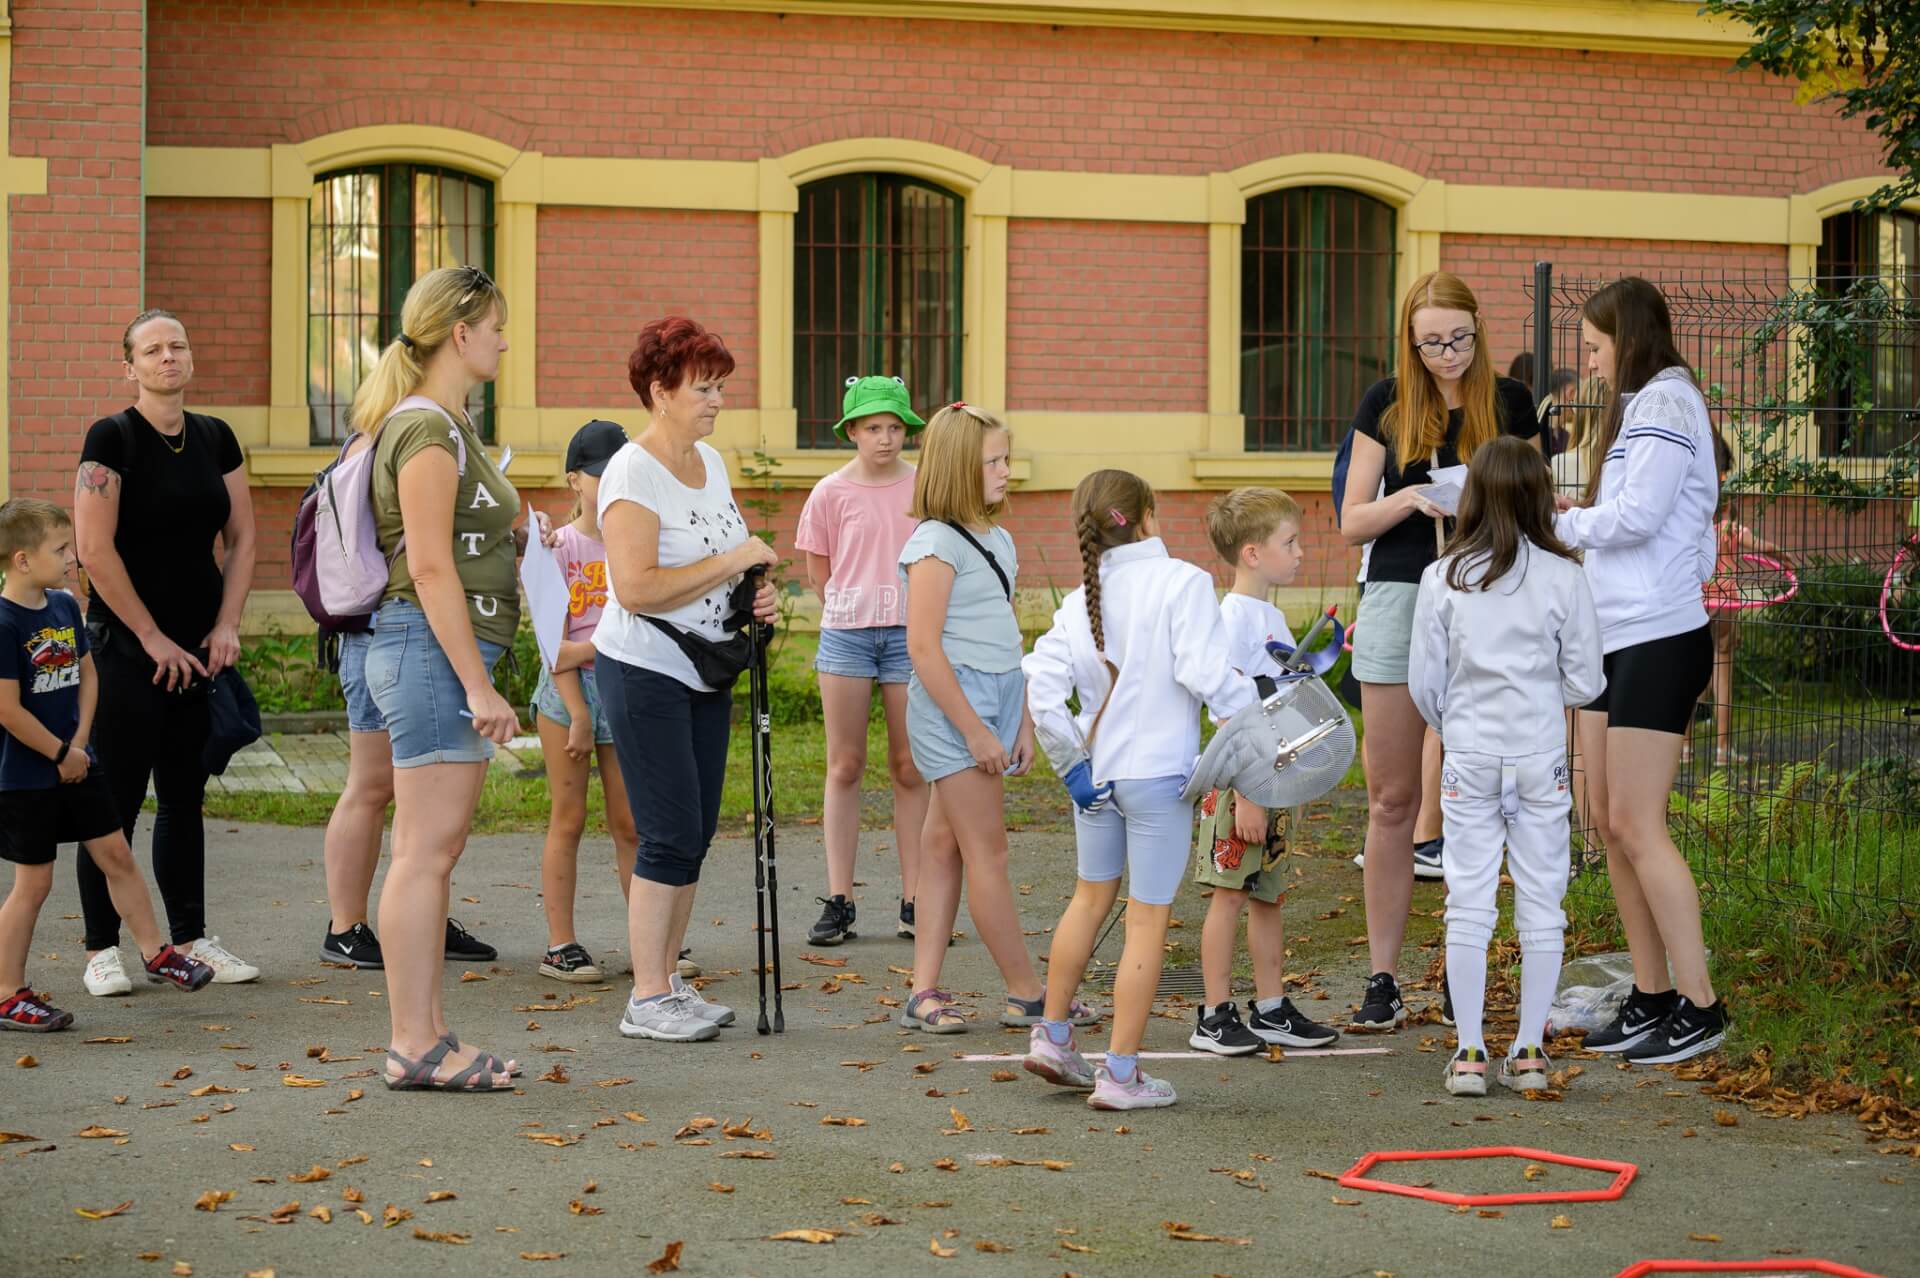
(1034, 1010)
(418, 1075)
(497, 1065)
(942, 1018)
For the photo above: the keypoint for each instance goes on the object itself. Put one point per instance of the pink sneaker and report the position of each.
(1061, 1066)
(1142, 1091)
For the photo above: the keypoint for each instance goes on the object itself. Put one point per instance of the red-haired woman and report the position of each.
(676, 544)
(1444, 405)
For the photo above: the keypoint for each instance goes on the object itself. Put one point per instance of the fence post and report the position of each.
(1543, 345)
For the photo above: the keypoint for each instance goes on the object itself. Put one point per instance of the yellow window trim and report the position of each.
(1623, 25)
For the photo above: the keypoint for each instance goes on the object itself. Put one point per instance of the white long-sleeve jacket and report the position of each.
(1163, 630)
(1649, 534)
(1493, 670)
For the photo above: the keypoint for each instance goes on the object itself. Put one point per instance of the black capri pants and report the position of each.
(671, 741)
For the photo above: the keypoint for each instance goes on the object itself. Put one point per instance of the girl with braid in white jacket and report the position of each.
(1143, 644)
(1505, 637)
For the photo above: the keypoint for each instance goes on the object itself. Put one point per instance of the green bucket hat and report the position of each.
(869, 395)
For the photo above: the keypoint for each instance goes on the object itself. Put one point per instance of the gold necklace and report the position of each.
(167, 439)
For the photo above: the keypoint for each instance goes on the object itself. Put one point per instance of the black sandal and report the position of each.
(418, 1075)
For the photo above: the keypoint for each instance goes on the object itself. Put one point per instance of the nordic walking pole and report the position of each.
(765, 880)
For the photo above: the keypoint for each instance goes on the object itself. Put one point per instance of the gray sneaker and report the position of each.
(718, 1013)
(671, 1019)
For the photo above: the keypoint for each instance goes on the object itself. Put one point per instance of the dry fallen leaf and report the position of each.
(441, 1196)
(1703, 1237)
(433, 1235)
(555, 1140)
(101, 1213)
(471, 976)
(558, 1074)
(960, 1121)
(1560, 1222)
(27, 1062)
(1533, 1171)
(108, 1038)
(579, 1208)
(323, 1214)
(214, 1089)
(1032, 1131)
(946, 1164)
(803, 1236)
(284, 1210)
(759, 1155)
(391, 1216)
(95, 1132)
(312, 1174)
(1722, 1118)
(991, 1247)
(1002, 1076)
(719, 1188)
(9, 1137)
(211, 1200)
(933, 1245)
(1490, 1215)
(836, 1121)
(1180, 1231)
(543, 1255)
(1338, 1201)
(297, 1080)
(1074, 1246)
(669, 1261)
(241, 1148)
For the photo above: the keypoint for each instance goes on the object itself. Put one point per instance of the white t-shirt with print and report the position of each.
(1250, 623)
(695, 524)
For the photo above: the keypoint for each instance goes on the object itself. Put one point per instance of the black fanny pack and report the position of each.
(720, 663)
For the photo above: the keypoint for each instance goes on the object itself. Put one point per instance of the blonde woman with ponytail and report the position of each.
(445, 517)
(1143, 645)
(967, 723)
(1444, 405)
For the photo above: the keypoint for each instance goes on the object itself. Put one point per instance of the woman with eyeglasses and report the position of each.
(1445, 404)
(444, 513)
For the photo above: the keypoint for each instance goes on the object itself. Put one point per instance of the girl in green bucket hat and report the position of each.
(852, 529)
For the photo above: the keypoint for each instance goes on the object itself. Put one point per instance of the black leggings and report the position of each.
(140, 730)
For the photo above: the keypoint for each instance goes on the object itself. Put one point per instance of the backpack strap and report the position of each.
(992, 563)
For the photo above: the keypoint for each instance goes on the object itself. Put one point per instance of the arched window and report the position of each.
(1884, 247)
(878, 263)
(371, 232)
(1316, 313)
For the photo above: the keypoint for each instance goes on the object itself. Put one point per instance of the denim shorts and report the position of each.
(938, 748)
(874, 652)
(546, 701)
(418, 694)
(1383, 631)
(362, 714)
(1145, 828)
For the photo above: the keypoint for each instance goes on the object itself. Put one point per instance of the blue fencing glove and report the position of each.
(1086, 796)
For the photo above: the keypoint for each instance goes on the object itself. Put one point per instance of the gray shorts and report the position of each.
(938, 748)
(1384, 631)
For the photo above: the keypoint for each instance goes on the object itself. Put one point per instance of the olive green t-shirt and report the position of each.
(483, 512)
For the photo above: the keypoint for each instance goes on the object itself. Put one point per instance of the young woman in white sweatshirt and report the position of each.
(1142, 643)
(1646, 524)
(1504, 639)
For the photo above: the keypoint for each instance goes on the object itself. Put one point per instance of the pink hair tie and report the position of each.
(1119, 520)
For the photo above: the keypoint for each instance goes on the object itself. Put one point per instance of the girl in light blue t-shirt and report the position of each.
(967, 721)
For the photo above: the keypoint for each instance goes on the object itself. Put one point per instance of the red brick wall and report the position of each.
(1500, 269)
(75, 250)
(1106, 315)
(591, 80)
(211, 263)
(606, 272)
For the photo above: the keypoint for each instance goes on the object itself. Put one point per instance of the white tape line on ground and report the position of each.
(1291, 1052)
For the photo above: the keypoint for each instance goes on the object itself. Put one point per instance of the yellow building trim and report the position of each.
(1637, 26)
(1296, 472)
(209, 172)
(601, 182)
(1119, 197)
(1615, 214)
(412, 143)
(955, 170)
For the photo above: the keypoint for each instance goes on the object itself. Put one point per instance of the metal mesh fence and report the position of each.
(1801, 783)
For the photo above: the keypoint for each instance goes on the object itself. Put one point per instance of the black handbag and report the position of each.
(720, 663)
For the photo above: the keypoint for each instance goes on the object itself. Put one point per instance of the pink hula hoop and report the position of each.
(1734, 605)
(1886, 594)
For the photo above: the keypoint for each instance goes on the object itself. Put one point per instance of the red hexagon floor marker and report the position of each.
(1777, 1265)
(1355, 1177)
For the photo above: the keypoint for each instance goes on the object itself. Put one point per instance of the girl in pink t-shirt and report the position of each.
(852, 528)
(573, 727)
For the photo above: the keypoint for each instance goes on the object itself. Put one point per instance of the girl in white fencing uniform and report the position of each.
(1504, 639)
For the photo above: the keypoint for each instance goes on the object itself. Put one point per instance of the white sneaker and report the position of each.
(1142, 1091)
(105, 976)
(718, 1013)
(227, 969)
(671, 1019)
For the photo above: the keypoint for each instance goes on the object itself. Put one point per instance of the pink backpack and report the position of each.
(339, 570)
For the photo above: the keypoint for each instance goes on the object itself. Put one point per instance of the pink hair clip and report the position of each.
(1119, 520)
(958, 403)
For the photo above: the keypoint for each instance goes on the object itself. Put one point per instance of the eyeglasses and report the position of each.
(1435, 348)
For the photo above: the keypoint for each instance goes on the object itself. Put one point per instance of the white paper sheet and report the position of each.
(546, 589)
(1444, 492)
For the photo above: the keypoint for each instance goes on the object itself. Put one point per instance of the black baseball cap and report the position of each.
(594, 445)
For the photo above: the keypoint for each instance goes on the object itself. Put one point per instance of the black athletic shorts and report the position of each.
(1654, 685)
(35, 822)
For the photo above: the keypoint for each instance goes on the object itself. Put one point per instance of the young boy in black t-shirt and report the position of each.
(50, 791)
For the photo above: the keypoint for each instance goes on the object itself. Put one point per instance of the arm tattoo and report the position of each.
(101, 481)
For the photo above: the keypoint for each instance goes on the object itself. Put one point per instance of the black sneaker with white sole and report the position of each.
(356, 947)
(1220, 1030)
(1288, 1026)
(1687, 1032)
(569, 962)
(1446, 1000)
(1381, 1011)
(1638, 1017)
(836, 922)
(465, 947)
(905, 928)
(1426, 859)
